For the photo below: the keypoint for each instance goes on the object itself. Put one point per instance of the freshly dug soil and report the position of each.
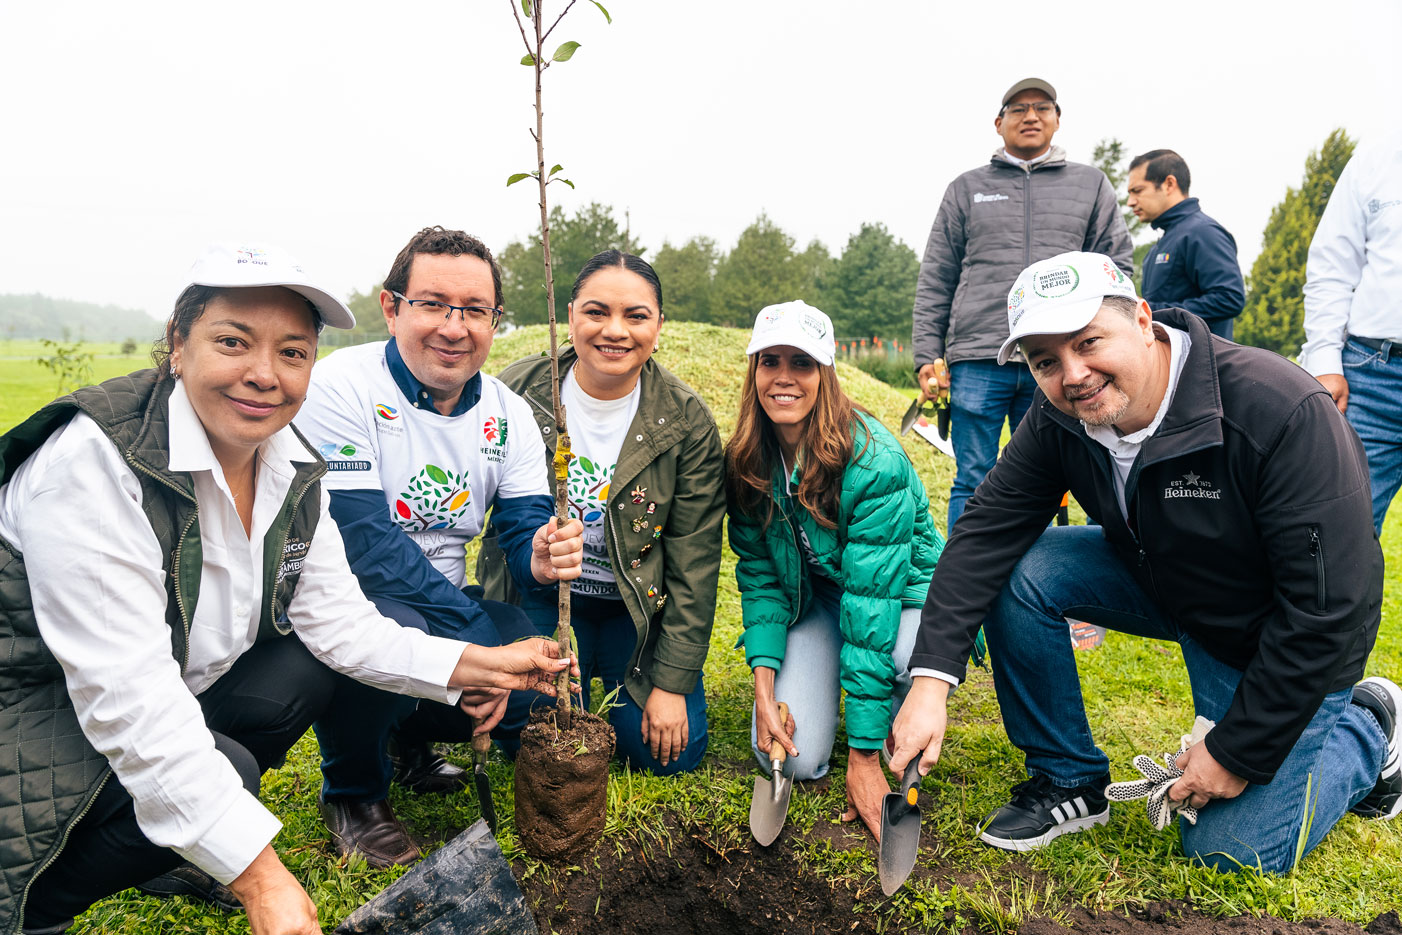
(694, 886)
(562, 784)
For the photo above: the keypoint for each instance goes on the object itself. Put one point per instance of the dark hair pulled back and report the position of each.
(615, 259)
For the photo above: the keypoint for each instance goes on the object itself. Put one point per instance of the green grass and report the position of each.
(1137, 699)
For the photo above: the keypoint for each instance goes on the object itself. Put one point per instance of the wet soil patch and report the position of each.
(561, 784)
(693, 887)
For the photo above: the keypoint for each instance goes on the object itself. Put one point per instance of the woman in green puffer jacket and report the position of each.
(836, 546)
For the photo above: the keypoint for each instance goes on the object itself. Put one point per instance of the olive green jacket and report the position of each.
(672, 453)
(881, 554)
(49, 773)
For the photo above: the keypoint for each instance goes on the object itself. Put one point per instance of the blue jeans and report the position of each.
(606, 637)
(1375, 412)
(1072, 571)
(981, 395)
(354, 731)
(809, 681)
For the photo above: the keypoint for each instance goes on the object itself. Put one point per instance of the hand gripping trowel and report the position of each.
(900, 830)
(770, 804)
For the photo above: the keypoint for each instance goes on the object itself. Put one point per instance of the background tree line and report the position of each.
(869, 289)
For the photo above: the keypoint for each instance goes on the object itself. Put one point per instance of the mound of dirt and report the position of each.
(695, 889)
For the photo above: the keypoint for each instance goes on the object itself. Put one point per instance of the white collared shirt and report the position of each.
(1354, 272)
(74, 510)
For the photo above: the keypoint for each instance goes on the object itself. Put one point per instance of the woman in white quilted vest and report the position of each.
(176, 597)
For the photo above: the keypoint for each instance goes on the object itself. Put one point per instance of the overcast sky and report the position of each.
(136, 133)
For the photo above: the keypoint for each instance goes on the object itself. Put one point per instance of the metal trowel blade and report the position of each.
(769, 807)
(900, 832)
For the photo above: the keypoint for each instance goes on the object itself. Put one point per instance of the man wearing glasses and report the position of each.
(420, 444)
(1028, 203)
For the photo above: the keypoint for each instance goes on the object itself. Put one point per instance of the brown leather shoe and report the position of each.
(370, 830)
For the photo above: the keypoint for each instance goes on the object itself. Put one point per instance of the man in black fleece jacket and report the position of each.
(1235, 520)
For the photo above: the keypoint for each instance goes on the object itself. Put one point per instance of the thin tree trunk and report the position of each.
(562, 435)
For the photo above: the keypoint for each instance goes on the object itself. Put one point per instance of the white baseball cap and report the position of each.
(796, 324)
(243, 265)
(1061, 295)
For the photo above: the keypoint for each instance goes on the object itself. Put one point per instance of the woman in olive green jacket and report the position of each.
(646, 481)
(836, 546)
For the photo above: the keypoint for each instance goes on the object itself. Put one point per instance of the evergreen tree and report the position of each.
(688, 274)
(573, 240)
(763, 270)
(1275, 307)
(870, 289)
(1111, 157)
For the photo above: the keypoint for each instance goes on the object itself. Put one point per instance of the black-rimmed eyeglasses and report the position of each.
(474, 316)
(1043, 109)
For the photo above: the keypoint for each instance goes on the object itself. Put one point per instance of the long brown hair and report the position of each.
(825, 449)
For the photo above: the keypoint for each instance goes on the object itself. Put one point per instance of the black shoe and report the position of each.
(189, 880)
(1383, 699)
(370, 830)
(419, 769)
(1040, 811)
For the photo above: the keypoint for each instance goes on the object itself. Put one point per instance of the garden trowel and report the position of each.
(937, 407)
(900, 830)
(770, 804)
(481, 745)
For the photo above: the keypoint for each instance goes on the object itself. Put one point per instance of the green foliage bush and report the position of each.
(1275, 305)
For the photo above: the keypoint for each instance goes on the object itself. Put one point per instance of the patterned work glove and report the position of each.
(1159, 779)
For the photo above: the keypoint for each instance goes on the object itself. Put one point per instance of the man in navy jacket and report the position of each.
(1193, 266)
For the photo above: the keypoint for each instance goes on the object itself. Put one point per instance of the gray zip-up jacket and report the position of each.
(993, 223)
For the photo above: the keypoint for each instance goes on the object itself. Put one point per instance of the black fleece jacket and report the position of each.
(1250, 526)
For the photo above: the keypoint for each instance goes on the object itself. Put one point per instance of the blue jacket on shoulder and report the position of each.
(1194, 266)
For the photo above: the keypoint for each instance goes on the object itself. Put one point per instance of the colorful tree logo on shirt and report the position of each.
(589, 489)
(433, 499)
(494, 430)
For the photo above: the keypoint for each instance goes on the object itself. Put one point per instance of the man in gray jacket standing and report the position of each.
(1028, 203)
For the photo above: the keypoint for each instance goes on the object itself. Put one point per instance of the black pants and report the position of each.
(353, 735)
(256, 711)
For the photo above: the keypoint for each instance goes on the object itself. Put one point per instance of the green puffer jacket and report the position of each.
(881, 554)
(49, 780)
(672, 531)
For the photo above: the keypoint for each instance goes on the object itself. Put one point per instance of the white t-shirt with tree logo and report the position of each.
(598, 428)
(439, 474)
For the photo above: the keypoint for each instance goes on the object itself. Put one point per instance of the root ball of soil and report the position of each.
(562, 784)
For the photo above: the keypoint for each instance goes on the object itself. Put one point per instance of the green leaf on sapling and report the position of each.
(528, 59)
(565, 51)
(601, 10)
(517, 177)
(557, 168)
